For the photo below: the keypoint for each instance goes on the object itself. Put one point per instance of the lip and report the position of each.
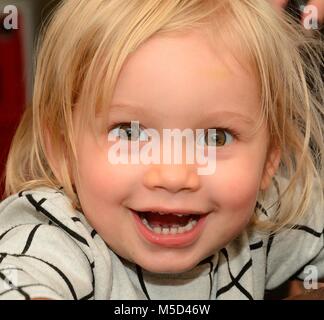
(170, 240)
(171, 211)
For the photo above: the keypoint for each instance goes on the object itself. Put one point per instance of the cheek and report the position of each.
(100, 181)
(244, 187)
(107, 183)
(236, 184)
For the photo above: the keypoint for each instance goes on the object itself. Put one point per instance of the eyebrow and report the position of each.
(229, 115)
(126, 108)
(222, 115)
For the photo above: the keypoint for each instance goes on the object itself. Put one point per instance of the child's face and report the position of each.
(177, 82)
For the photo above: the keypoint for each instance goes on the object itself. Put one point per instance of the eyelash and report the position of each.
(114, 125)
(229, 130)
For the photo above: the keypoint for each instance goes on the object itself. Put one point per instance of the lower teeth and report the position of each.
(170, 230)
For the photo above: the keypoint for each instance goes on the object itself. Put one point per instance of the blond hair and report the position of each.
(86, 44)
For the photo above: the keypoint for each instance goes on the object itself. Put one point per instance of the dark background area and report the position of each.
(17, 48)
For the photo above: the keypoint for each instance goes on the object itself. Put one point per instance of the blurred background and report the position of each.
(16, 64)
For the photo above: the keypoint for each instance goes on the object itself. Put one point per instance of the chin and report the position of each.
(165, 269)
(164, 265)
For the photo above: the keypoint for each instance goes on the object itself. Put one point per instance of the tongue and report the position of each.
(156, 219)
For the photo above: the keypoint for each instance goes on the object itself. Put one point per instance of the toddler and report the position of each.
(84, 220)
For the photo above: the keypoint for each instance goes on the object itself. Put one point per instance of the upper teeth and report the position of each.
(174, 229)
(179, 215)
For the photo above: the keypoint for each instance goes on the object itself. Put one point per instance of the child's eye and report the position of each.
(129, 131)
(216, 138)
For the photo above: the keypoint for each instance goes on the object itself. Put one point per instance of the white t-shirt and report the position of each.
(49, 250)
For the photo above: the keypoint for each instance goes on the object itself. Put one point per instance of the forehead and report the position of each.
(173, 72)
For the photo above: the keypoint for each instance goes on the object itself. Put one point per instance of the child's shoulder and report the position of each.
(39, 192)
(47, 212)
(43, 207)
(41, 234)
(41, 204)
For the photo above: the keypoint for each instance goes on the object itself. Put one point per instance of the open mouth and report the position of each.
(165, 224)
(168, 228)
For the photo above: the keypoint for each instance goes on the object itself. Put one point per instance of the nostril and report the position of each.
(172, 178)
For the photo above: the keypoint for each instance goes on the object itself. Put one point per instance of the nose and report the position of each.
(172, 178)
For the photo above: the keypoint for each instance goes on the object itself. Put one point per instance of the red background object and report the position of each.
(12, 89)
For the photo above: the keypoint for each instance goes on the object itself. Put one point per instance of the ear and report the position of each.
(270, 167)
